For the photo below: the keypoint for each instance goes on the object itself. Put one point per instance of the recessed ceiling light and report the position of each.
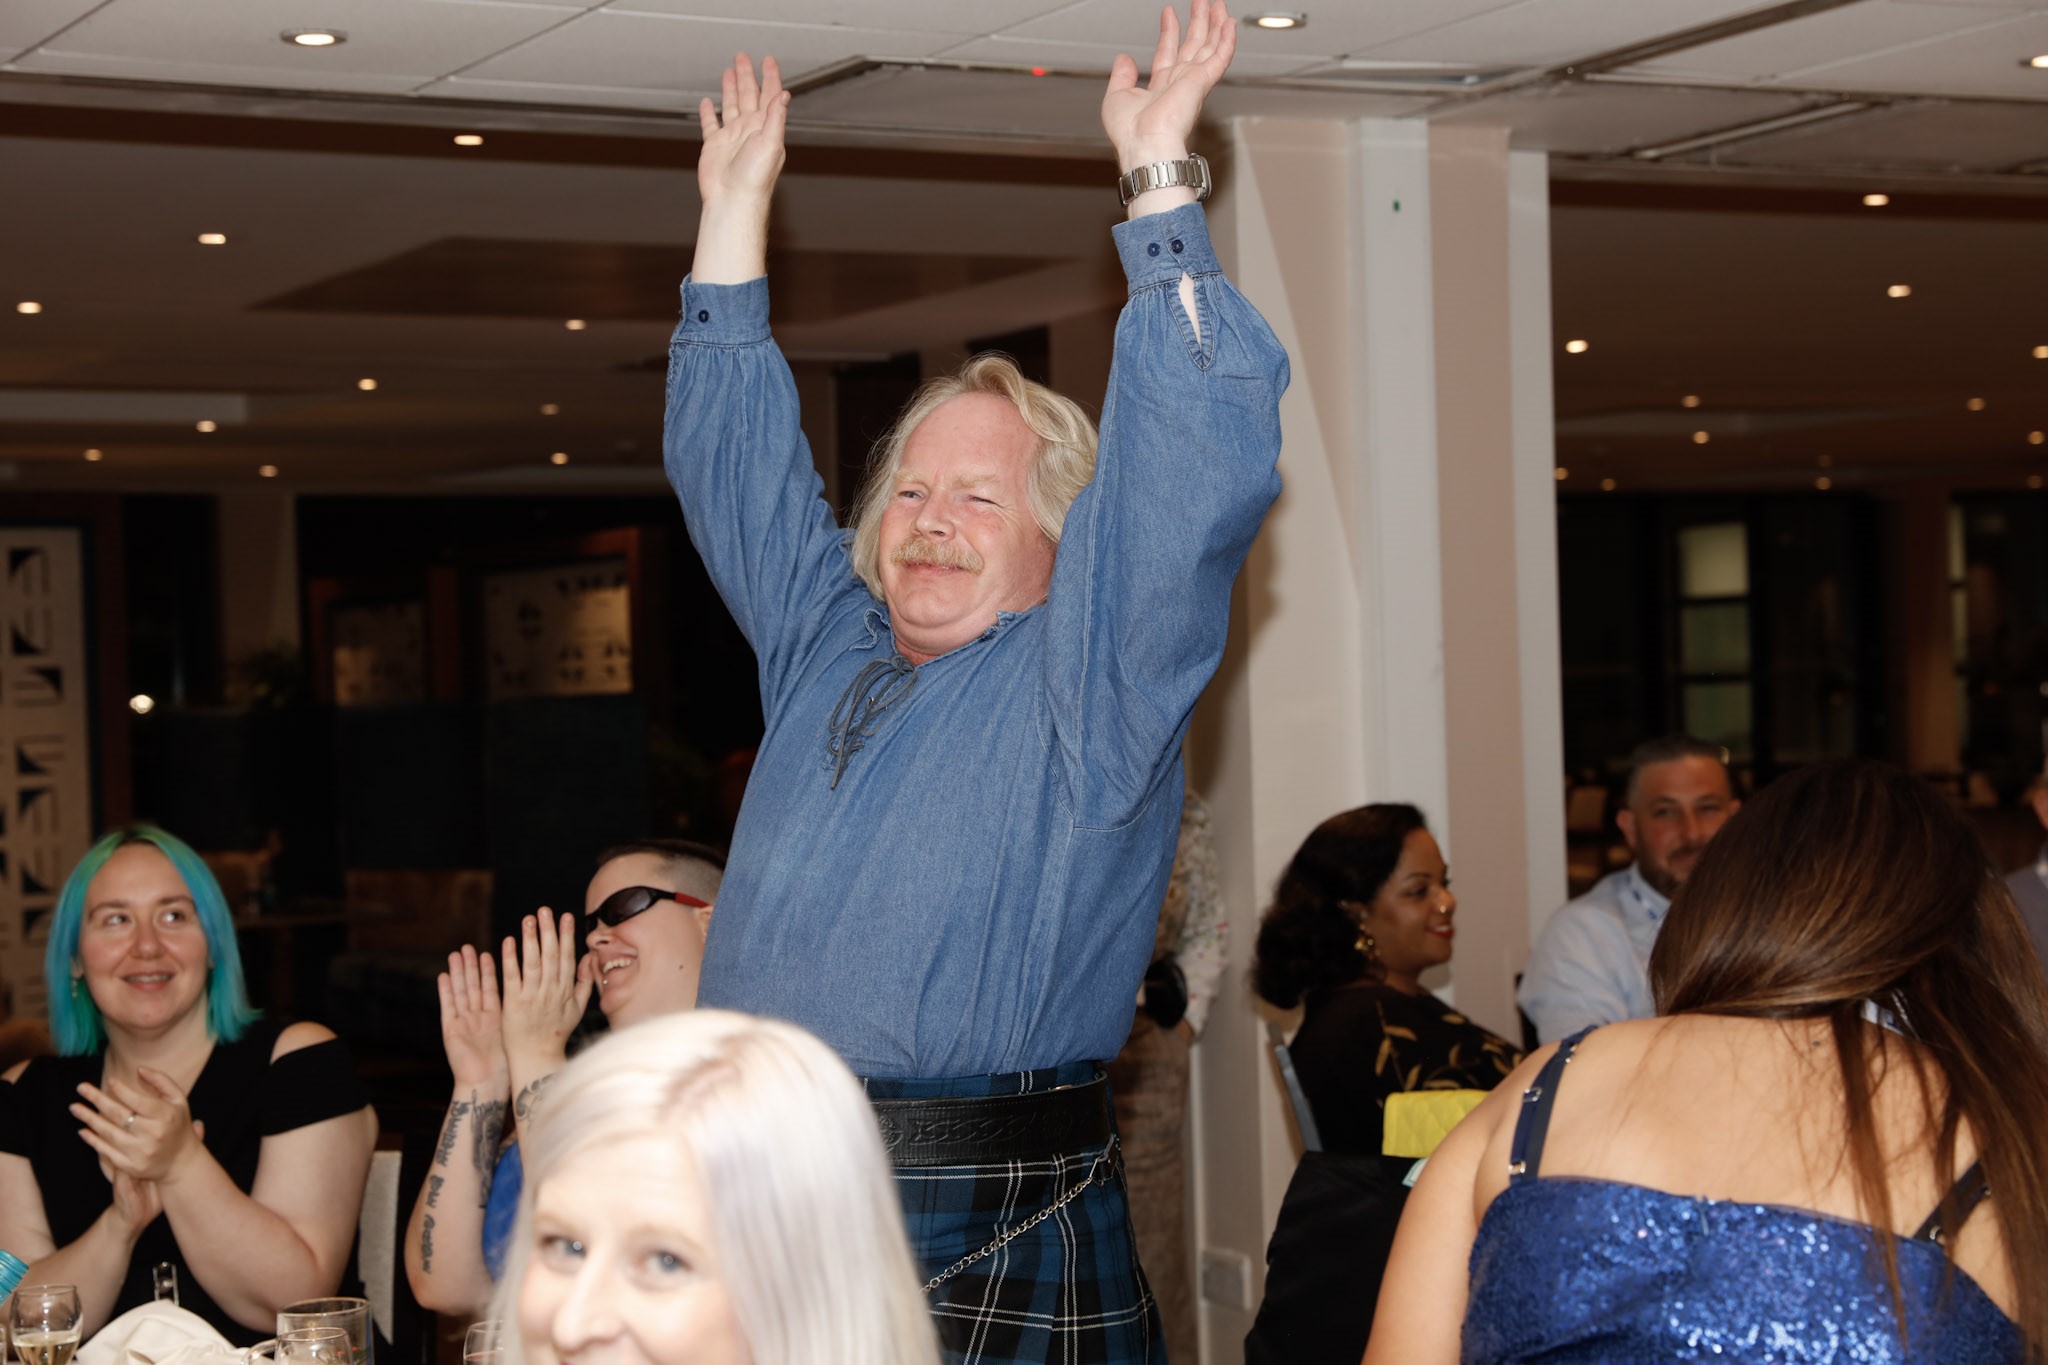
(367, 385)
(1691, 400)
(1700, 438)
(559, 457)
(2033, 480)
(1876, 201)
(1899, 291)
(2039, 63)
(28, 306)
(206, 424)
(1563, 473)
(142, 703)
(1577, 347)
(266, 471)
(1277, 19)
(1823, 483)
(2035, 438)
(2041, 353)
(314, 37)
(213, 239)
(469, 139)
(550, 409)
(1975, 405)
(575, 324)
(94, 455)
(1606, 485)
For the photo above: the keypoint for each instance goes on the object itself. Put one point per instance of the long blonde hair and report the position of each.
(1064, 464)
(805, 1211)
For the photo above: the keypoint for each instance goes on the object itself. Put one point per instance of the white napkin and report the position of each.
(158, 1334)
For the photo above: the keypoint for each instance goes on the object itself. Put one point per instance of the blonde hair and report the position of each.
(807, 1219)
(1064, 463)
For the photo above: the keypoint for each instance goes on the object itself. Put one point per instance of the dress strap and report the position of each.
(1956, 1206)
(1533, 1125)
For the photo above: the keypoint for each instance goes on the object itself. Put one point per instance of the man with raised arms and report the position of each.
(964, 810)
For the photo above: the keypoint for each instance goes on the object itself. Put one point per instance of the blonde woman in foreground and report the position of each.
(1828, 1149)
(710, 1189)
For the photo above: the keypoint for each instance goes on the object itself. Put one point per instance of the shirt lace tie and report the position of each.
(879, 685)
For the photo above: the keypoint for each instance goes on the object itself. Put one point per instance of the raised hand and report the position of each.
(545, 996)
(471, 1022)
(1154, 122)
(736, 170)
(141, 1130)
(743, 150)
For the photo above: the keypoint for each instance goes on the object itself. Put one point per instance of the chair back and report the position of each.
(1304, 1117)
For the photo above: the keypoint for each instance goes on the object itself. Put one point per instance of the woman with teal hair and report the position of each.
(176, 1127)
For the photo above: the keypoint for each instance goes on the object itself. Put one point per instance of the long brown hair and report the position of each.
(1851, 882)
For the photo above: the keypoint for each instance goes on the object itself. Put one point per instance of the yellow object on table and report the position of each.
(1417, 1120)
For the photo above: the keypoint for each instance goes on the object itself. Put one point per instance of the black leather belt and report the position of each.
(979, 1129)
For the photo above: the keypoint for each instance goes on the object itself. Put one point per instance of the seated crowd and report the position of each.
(1811, 1047)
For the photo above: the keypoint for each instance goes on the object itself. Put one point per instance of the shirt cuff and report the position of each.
(724, 314)
(1160, 247)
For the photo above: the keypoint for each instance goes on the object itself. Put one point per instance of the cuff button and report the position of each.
(1176, 246)
(703, 315)
(1152, 249)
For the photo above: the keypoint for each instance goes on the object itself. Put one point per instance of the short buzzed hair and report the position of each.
(706, 862)
(1665, 749)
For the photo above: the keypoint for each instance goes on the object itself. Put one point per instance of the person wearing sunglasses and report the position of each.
(646, 912)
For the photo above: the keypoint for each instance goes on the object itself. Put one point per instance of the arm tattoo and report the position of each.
(456, 1111)
(427, 1243)
(490, 1126)
(523, 1106)
(434, 1184)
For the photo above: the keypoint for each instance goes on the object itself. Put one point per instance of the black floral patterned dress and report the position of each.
(1359, 1044)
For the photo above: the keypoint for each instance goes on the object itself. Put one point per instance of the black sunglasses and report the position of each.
(628, 901)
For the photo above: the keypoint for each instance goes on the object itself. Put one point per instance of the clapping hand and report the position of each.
(470, 1021)
(142, 1129)
(546, 990)
(1154, 122)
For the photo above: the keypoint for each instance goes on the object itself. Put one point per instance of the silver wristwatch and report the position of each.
(1161, 174)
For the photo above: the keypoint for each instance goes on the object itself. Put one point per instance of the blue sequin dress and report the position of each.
(1571, 1269)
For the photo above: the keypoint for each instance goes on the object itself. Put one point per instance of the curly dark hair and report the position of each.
(1306, 940)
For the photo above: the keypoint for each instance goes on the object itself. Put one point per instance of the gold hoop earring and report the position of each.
(1364, 945)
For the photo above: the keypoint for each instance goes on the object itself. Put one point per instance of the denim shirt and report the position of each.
(973, 888)
(1591, 963)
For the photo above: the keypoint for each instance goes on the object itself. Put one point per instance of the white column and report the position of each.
(1365, 596)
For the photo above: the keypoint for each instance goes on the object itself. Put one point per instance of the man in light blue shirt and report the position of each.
(1591, 963)
(956, 836)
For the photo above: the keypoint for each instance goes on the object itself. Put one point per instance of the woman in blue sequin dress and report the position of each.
(1791, 1165)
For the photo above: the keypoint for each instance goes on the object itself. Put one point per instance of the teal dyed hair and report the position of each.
(74, 1019)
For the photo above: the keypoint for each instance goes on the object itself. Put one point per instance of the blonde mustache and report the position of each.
(919, 552)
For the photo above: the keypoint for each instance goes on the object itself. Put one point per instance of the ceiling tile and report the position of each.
(654, 51)
(1053, 109)
(1941, 137)
(24, 23)
(1333, 29)
(535, 92)
(936, 16)
(1098, 56)
(1984, 63)
(1551, 32)
(45, 62)
(1821, 39)
(1610, 119)
(240, 44)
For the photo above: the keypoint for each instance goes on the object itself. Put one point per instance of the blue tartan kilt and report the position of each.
(1067, 1288)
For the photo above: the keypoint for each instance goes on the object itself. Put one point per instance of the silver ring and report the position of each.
(128, 1124)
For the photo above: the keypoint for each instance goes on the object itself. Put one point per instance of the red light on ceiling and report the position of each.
(1038, 71)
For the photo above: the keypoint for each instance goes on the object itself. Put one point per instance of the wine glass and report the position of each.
(314, 1346)
(46, 1323)
(483, 1344)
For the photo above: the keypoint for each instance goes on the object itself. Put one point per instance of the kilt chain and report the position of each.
(1104, 1167)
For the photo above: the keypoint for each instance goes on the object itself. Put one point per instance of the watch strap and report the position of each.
(1159, 175)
